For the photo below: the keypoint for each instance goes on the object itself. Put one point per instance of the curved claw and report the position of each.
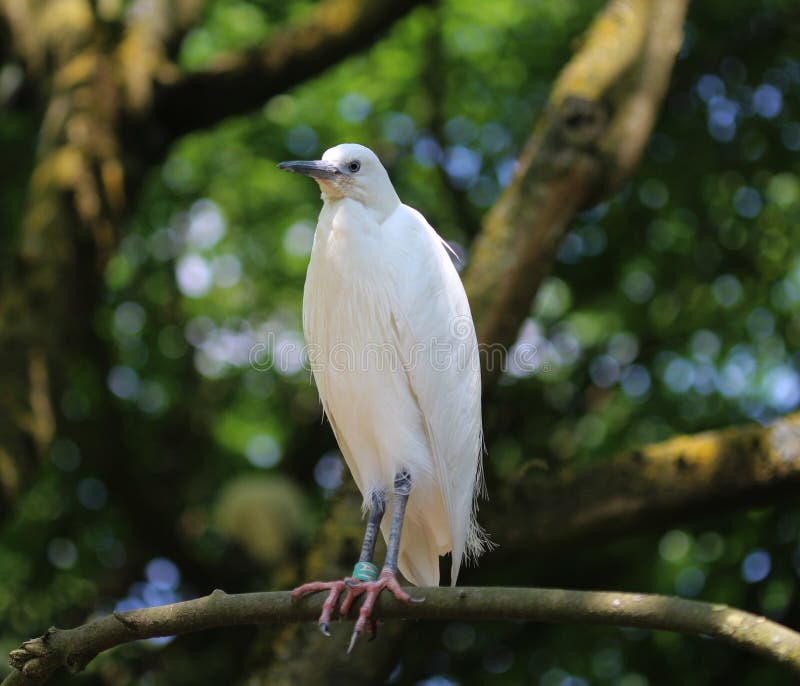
(334, 589)
(358, 631)
(416, 600)
(353, 638)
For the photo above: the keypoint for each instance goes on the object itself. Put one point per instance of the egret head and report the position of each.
(350, 170)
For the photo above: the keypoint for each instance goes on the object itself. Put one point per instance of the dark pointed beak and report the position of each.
(317, 169)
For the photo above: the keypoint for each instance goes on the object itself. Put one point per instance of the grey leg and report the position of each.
(373, 526)
(402, 488)
(387, 578)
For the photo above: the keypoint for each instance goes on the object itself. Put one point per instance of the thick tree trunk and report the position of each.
(75, 199)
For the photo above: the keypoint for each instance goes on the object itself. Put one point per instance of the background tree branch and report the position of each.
(585, 146)
(710, 471)
(37, 660)
(239, 83)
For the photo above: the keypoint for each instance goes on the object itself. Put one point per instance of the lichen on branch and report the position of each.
(662, 482)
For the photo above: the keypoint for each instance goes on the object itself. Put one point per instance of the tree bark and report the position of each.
(38, 659)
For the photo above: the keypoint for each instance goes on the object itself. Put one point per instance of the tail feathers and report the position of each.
(419, 555)
(477, 543)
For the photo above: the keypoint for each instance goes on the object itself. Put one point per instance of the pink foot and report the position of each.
(355, 589)
(372, 590)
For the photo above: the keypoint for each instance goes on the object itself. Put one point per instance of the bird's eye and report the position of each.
(354, 166)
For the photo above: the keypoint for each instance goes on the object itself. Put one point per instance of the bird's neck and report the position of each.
(380, 207)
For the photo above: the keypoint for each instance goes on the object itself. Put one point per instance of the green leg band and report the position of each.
(365, 571)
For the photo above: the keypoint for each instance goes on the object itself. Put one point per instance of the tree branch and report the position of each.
(585, 145)
(241, 82)
(37, 660)
(710, 471)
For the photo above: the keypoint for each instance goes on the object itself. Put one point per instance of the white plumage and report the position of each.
(395, 359)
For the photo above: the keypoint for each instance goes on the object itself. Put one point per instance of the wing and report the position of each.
(322, 301)
(434, 324)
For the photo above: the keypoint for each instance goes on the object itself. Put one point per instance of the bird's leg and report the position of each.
(364, 569)
(388, 576)
(373, 527)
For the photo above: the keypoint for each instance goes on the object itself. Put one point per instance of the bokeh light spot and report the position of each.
(354, 107)
(206, 225)
(123, 382)
(302, 141)
(92, 493)
(329, 470)
(727, 290)
(747, 202)
(65, 454)
(638, 286)
(767, 101)
(674, 545)
(756, 566)
(635, 381)
(193, 275)
(459, 637)
(604, 371)
(62, 553)
(690, 582)
(653, 193)
(129, 319)
(263, 451)
(498, 659)
(163, 574)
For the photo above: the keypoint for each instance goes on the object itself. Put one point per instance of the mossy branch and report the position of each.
(585, 145)
(664, 482)
(37, 660)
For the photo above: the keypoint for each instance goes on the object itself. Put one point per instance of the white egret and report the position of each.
(394, 355)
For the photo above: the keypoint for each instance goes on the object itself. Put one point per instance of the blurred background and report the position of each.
(147, 456)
